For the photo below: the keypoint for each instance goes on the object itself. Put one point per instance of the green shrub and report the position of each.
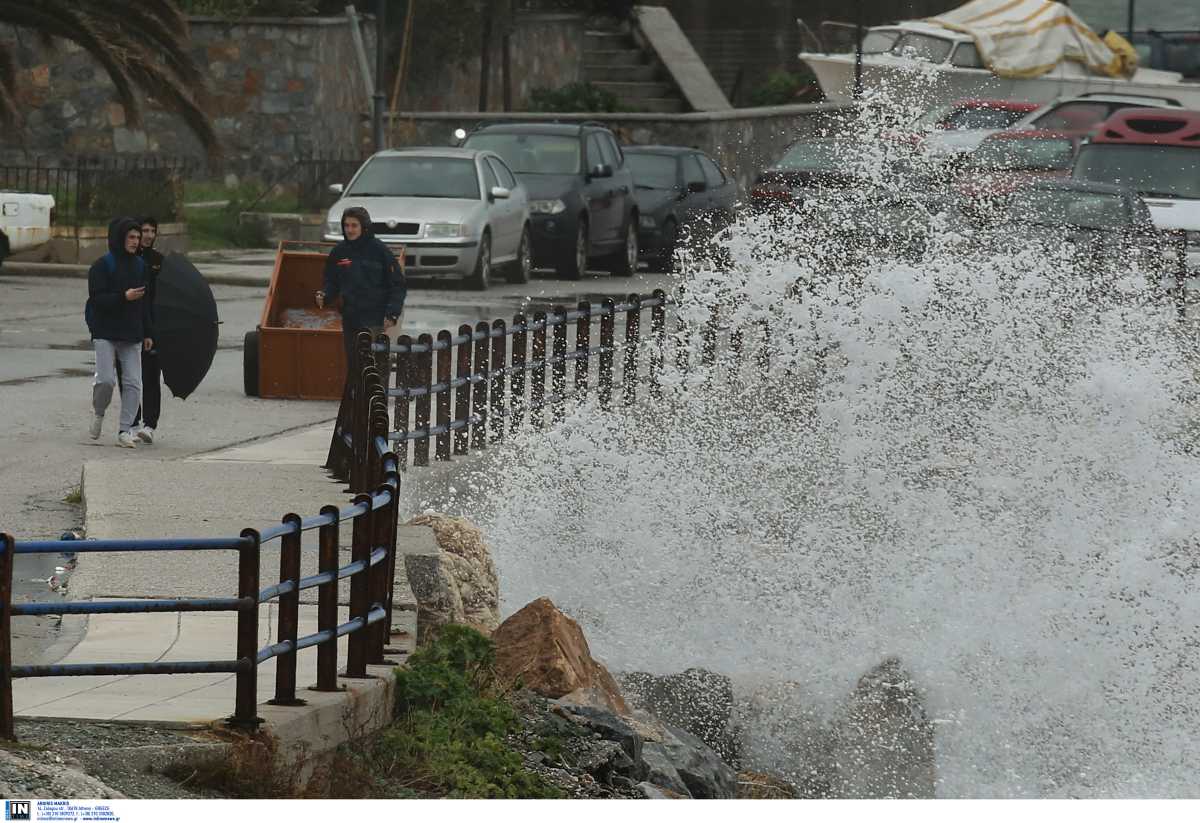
(451, 724)
(573, 97)
(784, 87)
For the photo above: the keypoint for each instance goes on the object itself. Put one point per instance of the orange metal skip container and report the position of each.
(300, 346)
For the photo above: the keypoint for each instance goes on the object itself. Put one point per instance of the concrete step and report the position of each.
(607, 40)
(616, 57)
(636, 91)
(621, 74)
(654, 104)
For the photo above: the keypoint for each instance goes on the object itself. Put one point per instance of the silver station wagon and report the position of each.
(457, 212)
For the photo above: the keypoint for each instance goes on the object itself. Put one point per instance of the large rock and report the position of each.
(546, 650)
(884, 746)
(696, 700)
(785, 731)
(705, 774)
(457, 583)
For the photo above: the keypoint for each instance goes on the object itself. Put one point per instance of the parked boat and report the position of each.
(1029, 50)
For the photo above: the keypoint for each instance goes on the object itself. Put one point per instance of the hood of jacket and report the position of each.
(364, 220)
(117, 230)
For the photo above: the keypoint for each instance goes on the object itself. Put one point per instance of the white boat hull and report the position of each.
(924, 84)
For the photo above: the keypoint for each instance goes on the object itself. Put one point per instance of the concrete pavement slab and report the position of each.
(306, 447)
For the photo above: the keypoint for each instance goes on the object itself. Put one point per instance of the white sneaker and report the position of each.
(145, 434)
(97, 425)
(125, 440)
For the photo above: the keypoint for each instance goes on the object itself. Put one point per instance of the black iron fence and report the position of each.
(92, 190)
(372, 572)
(315, 173)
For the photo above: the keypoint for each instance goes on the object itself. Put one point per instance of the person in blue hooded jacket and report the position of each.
(366, 275)
(119, 319)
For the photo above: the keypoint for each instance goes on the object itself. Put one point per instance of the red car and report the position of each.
(1010, 160)
(964, 121)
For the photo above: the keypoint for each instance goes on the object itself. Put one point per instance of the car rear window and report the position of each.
(981, 118)
(1076, 116)
(416, 177)
(814, 157)
(1153, 171)
(1014, 154)
(1067, 208)
(531, 153)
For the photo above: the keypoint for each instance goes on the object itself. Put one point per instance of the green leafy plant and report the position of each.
(574, 97)
(784, 87)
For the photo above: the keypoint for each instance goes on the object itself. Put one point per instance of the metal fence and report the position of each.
(461, 391)
(371, 571)
(315, 173)
(93, 190)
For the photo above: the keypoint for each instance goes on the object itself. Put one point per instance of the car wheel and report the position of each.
(482, 276)
(521, 268)
(573, 266)
(250, 364)
(624, 262)
(665, 262)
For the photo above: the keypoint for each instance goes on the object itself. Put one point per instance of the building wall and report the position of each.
(278, 87)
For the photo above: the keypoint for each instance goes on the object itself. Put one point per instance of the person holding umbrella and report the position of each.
(365, 274)
(119, 320)
(147, 417)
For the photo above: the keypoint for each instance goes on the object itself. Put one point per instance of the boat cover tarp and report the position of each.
(1028, 38)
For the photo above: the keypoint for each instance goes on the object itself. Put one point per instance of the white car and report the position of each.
(25, 221)
(1080, 114)
(457, 212)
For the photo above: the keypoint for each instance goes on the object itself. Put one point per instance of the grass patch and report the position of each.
(74, 496)
(217, 227)
(250, 769)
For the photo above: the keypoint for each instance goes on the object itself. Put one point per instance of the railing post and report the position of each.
(583, 337)
(377, 576)
(8, 546)
(764, 353)
(560, 363)
(658, 329)
(462, 394)
(245, 714)
(537, 388)
(1181, 274)
(520, 346)
(393, 517)
(444, 356)
(499, 362)
(327, 602)
(629, 373)
(403, 403)
(289, 615)
(424, 374)
(479, 394)
(356, 656)
(607, 324)
(358, 423)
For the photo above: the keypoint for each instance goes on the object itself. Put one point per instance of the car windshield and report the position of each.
(922, 47)
(1153, 171)
(982, 118)
(652, 171)
(405, 176)
(1016, 154)
(1067, 208)
(532, 153)
(817, 156)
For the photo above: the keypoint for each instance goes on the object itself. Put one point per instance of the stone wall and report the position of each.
(278, 87)
(743, 141)
(546, 51)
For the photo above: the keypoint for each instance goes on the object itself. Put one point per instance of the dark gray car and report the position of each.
(680, 192)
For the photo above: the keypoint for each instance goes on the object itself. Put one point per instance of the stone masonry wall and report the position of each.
(278, 87)
(743, 141)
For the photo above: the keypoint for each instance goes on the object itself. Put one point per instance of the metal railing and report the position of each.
(371, 571)
(92, 190)
(463, 390)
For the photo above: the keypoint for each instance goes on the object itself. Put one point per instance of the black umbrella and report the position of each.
(185, 325)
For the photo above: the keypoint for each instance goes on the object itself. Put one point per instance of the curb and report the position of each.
(78, 272)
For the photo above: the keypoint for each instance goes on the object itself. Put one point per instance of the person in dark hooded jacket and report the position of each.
(119, 319)
(365, 274)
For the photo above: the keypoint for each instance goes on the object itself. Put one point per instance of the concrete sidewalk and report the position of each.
(215, 494)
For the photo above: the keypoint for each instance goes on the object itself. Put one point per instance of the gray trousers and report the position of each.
(130, 355)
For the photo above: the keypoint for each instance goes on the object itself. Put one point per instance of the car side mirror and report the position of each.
(601, 170)
(337, 188)
(500, 193)
(695, 187)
